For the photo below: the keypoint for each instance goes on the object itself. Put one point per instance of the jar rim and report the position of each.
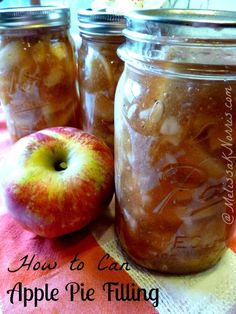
(34, 17)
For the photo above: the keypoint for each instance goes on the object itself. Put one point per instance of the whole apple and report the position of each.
(57, 180)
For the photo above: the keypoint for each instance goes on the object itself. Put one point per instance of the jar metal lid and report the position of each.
(100, 23)
(34, 17)
(185, 16)
(151, 25)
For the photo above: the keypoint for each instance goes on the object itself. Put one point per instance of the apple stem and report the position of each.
(62, 165)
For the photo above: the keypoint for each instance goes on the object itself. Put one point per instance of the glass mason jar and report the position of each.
(37, 70)
(99, 70)
(175, 139)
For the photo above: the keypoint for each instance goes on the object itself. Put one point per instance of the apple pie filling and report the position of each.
(38, 81)
(99, 72)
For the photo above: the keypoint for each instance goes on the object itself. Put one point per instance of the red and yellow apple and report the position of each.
(57, 180)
